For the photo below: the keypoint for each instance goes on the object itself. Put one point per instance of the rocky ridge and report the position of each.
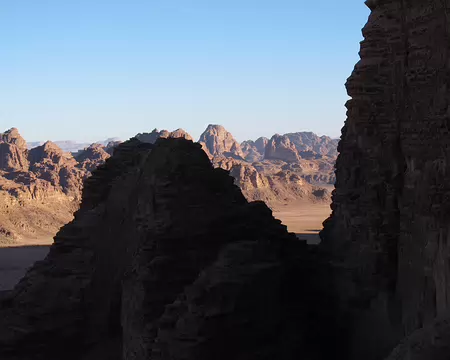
(42, 185)
(166, 259)
(273, 179)
(40, 188)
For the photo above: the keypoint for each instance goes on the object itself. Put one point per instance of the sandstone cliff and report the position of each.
(13, 154)
(388, 232)
(50, 179)
(93, 156)
(39, 188)
(167, 260)
(275, 186)
(310, 142)
(279, 147)
(216, 141)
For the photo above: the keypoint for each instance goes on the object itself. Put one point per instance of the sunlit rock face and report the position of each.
(388, 234)
(217, 141)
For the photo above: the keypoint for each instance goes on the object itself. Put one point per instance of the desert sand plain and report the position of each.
(301, 217)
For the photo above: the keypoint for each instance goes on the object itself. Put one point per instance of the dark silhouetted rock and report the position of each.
(155, 135)
(388, 233)
(166, 259)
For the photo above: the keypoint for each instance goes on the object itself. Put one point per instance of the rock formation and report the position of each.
(216, 141)
(72, 146)
(273, 187)
(47, 172)
(167, 260)
(250, 151)
(155, 135)
(310, 142)
(292, 147)
(48, 162)
(279, 147)
(92, 157)
(388, 233)
(13, 155)
(39, 188)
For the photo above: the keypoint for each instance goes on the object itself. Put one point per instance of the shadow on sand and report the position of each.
(311, 239)
(15, 260)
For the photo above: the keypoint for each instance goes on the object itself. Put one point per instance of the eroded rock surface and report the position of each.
(279, 147)
(217, 141)
(13, 154)
(166, 259)
(93, 156)
(388, 234)
(39, 188)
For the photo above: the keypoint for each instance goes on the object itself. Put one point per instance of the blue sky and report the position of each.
(90, 69)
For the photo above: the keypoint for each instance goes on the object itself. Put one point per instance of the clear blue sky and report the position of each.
(90, 69)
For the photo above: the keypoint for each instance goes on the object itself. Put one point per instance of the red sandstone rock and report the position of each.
(219, 142)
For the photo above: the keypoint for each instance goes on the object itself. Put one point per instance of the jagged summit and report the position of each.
(13, 151)
(217, 141)
(156, 134)
(12, 136)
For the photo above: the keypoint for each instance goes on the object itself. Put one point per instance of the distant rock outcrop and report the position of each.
(155, 135)
(167, 260)
(13, 154)
(47, 172)
(279, 147)
(254, 150)
(48, 162)
(93, 156)
(73, 146)
(308, 142)
(39, 188)
(292, 147)
(216, 141)
(250, 151)
(281, 186)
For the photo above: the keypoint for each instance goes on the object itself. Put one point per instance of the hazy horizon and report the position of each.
(196, 138)
(95, 70)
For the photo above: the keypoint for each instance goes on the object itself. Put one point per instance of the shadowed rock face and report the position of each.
(167, 260)
(155, 135)
(388, 234)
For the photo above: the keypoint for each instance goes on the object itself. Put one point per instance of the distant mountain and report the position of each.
(156, 134)
(216, 141)
(41, 183)
(71, 146)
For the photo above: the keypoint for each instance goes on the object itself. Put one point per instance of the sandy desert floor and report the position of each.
(302, 217)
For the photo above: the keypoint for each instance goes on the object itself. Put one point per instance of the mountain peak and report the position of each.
(217, 141)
